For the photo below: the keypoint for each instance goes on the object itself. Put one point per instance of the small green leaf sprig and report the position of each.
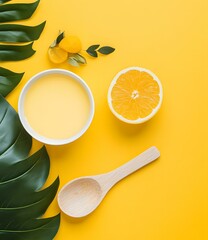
(57, 40)
(76, 59)
(92, 50)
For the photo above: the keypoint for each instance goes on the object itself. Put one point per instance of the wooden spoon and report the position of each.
(81, 196)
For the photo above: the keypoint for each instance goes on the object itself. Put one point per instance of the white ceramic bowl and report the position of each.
(26, 124)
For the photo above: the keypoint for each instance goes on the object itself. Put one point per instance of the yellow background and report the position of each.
(168, 199)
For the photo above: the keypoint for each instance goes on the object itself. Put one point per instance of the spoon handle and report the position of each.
(138, 162)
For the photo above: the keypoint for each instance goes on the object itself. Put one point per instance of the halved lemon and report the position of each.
(57, 55)
(135, 95)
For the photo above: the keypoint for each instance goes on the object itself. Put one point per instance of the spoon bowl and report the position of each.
(81, 196)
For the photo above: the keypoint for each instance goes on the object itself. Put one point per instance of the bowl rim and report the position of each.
(26, 124)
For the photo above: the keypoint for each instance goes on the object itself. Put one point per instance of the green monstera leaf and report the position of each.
(8, 80)
(23, 200)
(16, 33)
(17, 11)
(4, 1)
(15, 52)
(20, 33)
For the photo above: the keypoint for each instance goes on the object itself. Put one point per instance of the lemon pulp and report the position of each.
(56, 106)
(135, 95)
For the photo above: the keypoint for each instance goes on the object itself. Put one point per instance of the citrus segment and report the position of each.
(71, 44)
(135, 95)
(57, 55)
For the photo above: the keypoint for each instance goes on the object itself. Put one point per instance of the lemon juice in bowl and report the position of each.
(56, 107)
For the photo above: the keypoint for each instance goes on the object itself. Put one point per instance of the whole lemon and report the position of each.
(71, 44)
